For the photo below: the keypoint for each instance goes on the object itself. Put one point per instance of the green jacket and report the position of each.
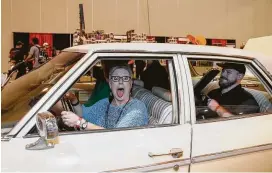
(101, 91)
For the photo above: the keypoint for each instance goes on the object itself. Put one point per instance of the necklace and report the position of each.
(107, 113)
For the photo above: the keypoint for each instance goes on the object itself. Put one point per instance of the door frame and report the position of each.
(180, 94)
(233, 150)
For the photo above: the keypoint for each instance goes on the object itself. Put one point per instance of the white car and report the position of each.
(180, 135)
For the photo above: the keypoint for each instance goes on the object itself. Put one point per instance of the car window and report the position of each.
(119, 93)
(228, 89)
(19, 96)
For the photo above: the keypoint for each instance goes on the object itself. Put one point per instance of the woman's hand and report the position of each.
(69, 118)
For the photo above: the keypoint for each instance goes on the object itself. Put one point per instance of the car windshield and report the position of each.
(20, 95)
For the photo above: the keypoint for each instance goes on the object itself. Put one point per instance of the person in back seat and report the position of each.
(120, 110)
(155, 75)
(231, 99)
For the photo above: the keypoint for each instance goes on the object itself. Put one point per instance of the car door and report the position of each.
(133, 149)
(241, 143)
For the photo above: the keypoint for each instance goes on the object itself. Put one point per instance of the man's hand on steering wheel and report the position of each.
(221, 111)
(213, 104)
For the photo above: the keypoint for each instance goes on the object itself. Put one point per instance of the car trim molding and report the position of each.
(156, 166)
(106, 130)
(212, 120)
(230, 153)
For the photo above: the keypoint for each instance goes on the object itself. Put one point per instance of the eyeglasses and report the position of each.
(117, 78)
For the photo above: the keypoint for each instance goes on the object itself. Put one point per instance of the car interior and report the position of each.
(158, 100)
(209, 81)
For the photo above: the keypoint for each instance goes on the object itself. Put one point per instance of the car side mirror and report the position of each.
(48, 130)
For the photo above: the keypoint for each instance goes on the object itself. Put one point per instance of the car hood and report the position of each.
(262, 45)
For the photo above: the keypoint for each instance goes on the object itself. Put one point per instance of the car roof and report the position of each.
(173, 48)
(161, 47)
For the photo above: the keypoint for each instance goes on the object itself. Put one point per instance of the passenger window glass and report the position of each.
(118, 94)
(226, 89)
(19, 96)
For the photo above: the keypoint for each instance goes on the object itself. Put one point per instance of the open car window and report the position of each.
(149, 103)
(237, 92)
(20, 95)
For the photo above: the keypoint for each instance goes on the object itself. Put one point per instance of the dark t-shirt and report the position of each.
(237, 101)
(16, 54)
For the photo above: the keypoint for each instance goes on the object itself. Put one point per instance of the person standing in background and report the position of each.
(44, 51)
(34, 54)
(16, 56)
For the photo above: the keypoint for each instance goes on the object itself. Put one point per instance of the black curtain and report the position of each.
(62, 41)
(23, 37)
(160, 39)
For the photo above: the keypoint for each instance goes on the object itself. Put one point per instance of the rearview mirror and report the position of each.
(48, 130)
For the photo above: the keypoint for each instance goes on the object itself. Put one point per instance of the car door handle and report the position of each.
(175, 152)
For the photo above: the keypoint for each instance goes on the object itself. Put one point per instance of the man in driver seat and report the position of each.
(231, 99)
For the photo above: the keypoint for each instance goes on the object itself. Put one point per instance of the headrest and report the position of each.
(138, 82)
(162, 93)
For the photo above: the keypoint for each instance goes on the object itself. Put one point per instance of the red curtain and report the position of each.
(43, 38)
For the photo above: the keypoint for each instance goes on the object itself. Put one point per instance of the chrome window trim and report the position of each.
(70, 77)
(230, 153)
(237, 117)
(218, 57)
(173, 72)
(106, 130)
(183, 90)
(190, 87)
(177, 113)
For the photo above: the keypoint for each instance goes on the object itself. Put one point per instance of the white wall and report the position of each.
(230, 19)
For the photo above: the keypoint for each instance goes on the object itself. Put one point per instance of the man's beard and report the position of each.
(225, 83)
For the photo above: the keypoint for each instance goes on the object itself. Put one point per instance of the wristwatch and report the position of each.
(78, 123)
(84, 125)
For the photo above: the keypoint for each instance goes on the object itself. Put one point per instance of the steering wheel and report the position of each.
(199, 97)
(67, 106)
(202, 83)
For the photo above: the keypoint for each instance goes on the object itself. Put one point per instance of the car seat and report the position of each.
(159, 110)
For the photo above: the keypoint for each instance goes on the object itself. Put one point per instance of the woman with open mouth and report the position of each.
(119, 110)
